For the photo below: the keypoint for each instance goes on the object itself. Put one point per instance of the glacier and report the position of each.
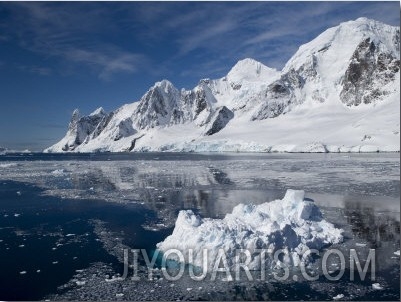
(291, 226)
(338, 93)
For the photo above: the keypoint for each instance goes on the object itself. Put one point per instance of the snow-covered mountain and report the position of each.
(338, 93)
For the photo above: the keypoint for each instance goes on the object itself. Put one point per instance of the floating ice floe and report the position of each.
(377, 286)
(58, 172)
(114, 279)
(338, 297)
(292, 225)
(8, 165)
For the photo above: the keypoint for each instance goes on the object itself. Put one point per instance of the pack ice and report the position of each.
(292, 225)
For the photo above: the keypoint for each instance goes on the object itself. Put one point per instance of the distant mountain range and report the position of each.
(338, 93)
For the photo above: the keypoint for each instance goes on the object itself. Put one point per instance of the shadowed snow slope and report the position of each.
(292, 224)
(338, 93)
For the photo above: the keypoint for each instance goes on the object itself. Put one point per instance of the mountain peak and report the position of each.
(340, 42)
(98, 111)
(163, 84)
(364, 20)
(255, 108)
(250, 70)
(75, 115)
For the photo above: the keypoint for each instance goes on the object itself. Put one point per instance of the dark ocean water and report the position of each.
(63, 216)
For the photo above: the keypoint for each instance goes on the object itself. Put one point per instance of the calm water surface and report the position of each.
(65, 219)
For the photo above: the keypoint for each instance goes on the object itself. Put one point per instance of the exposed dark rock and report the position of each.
(103, 123)
(219, 120)
(124, 129)
(81, 128)
(367, 66)
(279, 95)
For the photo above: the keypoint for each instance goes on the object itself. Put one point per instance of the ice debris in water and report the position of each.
(338, 297)
(377, 286)
(58, 172)
(293, 224)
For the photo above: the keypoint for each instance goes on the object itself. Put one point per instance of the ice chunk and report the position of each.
(294, 195)
(377, 286)
(338, 297)
(114, 279)
(292, 225)
(8, 165)
(58, 172)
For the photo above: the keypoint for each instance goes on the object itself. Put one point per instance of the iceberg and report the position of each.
(291, 226)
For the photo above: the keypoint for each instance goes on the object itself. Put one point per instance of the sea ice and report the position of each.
(58, 172)
(377, 286)
(292, 225)
(338, 297)
(8, 165)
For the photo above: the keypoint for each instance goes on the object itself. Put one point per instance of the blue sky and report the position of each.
(58, 56)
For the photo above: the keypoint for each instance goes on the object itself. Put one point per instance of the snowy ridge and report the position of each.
(338, 93)
(293, 224)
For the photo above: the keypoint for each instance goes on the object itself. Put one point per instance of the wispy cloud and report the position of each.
(206, 33)
(71, 33)
(43, 71)
(106, 63)
(202, 39)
